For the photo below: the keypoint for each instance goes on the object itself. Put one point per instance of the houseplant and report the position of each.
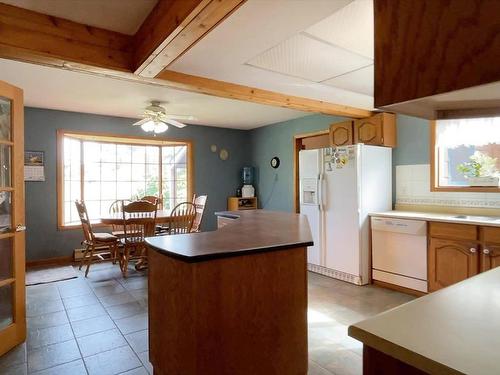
(481, 170)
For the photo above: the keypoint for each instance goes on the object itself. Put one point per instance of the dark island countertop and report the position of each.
(253, 231)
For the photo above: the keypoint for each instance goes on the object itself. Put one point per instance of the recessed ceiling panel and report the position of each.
(360, 81)
(350, 27)
(309, 58)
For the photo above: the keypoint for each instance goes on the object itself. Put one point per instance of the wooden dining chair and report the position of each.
(116, 208)
(182, 218)
(153, 199)
(199, 202)
(92, 241)
(139, 219)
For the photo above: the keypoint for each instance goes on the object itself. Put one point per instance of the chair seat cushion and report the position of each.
(105, 237)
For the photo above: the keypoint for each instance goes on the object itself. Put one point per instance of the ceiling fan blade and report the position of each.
(173, 122)
(140, 122)
(179, 117)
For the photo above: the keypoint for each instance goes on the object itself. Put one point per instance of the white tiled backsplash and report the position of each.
(413, 187)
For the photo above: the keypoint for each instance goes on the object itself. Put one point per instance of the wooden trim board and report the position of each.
(56, 261)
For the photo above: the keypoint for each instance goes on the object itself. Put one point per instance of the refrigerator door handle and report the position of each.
(320, 191)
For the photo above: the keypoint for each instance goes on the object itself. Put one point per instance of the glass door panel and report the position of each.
(12, 236)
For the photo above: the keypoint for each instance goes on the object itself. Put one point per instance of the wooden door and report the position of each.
(369, 131)
(12, 258)
(341, 134)
(490, 257)
(451, 262)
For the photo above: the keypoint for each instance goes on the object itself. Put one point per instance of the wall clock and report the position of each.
(275, 162)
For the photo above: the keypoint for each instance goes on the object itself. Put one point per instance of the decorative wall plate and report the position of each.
(224, 154)
(213, 148)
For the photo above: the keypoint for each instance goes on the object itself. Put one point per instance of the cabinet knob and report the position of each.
(473, 250)
(486, 251)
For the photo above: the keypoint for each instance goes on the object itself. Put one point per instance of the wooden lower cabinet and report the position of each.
(490, 257)
(451, 262)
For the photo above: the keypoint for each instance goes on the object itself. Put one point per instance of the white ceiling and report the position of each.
(52, 88)
(320, 49)
(124, 16)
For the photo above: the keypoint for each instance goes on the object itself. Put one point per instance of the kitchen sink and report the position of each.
(477, 218)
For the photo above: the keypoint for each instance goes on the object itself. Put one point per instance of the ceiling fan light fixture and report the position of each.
(148, 126)
(160, 127)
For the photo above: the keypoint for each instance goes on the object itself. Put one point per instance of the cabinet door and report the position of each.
(490, 257)
(341, 134)
(369, 131)
(451, 262)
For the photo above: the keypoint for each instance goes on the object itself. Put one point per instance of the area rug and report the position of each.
(49, 275)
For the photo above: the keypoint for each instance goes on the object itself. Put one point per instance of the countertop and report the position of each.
(442, 217)
(454, 330)
(252, 231)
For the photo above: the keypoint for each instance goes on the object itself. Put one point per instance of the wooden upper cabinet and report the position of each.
(378, 130)
(451, 262)
(341, 133)
(428, 47)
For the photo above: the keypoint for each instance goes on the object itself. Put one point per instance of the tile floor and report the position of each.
(99, 325)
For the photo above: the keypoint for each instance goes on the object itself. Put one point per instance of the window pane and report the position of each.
(180, 154)
(138, 154)
(167, 154)
(152, 154)
(168, 188)
(93, 209)
(123, 190)
(92, 190)
(138, 189)
(5, 258)
(168, 172)
(108, 152)
(124, 153)
(5, 107)
(181, 190)
(124, 172)
(108, 172)
(138, 172)
(180, 172)
(152, 172)
(108, 190)
(92, 171)
(6, 306)
(5, 211)
(5, 165)
(92, 152)
(105, 205)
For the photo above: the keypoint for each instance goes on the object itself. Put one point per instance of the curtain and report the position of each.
(467, 132)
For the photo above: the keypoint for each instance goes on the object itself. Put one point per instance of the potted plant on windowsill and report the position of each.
(481, 170)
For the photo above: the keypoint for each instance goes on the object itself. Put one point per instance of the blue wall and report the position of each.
(275, 186)
(219, 179)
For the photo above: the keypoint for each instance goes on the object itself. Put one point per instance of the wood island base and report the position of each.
(242, 315)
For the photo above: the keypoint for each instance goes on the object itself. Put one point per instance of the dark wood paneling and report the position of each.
(427, 47)
(243, 315)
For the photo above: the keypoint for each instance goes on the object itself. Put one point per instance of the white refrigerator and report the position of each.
(339, 187)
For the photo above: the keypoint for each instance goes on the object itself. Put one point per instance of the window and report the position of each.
(466, 154)
(102, 169)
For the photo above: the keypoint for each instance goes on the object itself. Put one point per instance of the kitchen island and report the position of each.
(451, 331)
(231, 301)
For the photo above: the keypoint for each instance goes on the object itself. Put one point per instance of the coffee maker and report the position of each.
(247, 191)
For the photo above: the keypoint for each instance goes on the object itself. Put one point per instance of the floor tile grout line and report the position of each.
(128, 344)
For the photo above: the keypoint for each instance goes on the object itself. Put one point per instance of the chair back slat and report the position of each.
(182, 218)
(84, 219)
(200, 203)
(139, 220)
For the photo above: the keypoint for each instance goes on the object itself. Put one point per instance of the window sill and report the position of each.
(466, 189)
(79, 226)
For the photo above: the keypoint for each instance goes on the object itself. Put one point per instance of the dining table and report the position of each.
(116, 218)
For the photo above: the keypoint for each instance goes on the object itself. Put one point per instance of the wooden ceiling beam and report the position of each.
(45, 40)
(25, 32)
(228, 90)
(172, 28)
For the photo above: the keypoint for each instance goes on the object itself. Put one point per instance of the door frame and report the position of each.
(298, 144)
(15, 333)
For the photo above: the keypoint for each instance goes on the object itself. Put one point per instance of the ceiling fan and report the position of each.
(155, 119)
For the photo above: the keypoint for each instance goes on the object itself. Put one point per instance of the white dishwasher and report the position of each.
(399, 252)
